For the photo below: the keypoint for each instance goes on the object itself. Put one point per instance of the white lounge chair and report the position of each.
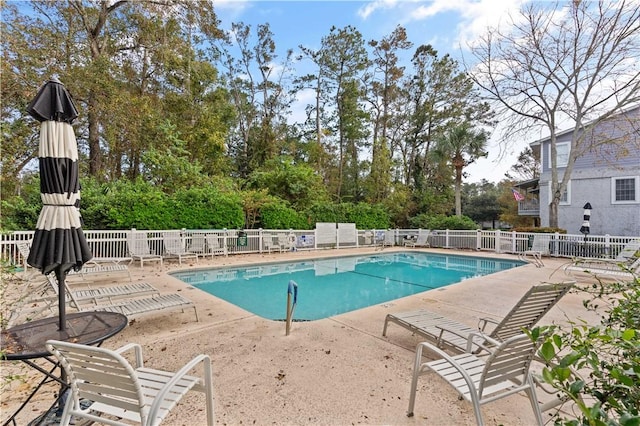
(118, 389)
(269, 244)
(174, 247)
(213, 245)
(625, 265)
(504, 372)
(421, 241)
(92, 268)
(104, 294)
(138, 244)
(198, 244)
(132, 306)
(539, 248)
(452, 335)
(286, 242)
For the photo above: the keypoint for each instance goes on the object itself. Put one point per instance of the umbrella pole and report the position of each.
(62, 312)
(62, 326)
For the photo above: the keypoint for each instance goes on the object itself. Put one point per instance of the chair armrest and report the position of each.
(482, 323)
(418, 367)
(482, 337)
(139, 362)
(167, 388)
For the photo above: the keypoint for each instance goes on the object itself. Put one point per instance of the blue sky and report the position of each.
(448, 25)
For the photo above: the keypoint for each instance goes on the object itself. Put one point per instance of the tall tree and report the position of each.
(260, 94)
(527, 166)
(460, 147)
(383, 88)
(567, 62)
(343, 58)
(435, 95)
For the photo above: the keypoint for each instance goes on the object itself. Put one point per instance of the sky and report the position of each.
(447, 25)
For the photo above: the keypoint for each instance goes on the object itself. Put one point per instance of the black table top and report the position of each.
(27, 341)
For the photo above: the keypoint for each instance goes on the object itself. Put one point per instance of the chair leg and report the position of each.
(533, 398)
(209, 394)
(417, 367)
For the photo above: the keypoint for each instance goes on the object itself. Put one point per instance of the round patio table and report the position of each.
(26, 342)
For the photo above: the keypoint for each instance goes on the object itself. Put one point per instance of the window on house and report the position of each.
(562, 154)
(625, 190)
(565, 198)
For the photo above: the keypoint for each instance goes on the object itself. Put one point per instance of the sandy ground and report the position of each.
(335, 371)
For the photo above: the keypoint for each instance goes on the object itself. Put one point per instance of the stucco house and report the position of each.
(606, 174)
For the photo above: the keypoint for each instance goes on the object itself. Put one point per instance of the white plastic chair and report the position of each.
(483, 380)
(118, 389)
(213, 245)
(174, 247)
(138, 244)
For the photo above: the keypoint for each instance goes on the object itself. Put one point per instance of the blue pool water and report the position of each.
(332, 286)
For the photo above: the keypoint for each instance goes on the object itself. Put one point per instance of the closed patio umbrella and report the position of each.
(59, 244)
(586, 216)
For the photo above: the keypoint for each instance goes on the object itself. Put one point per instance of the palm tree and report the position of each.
(461, 146)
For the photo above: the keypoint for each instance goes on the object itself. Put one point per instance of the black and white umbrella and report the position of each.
(586, 217)
(59, 244)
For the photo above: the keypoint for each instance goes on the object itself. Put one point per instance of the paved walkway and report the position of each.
(335, 371)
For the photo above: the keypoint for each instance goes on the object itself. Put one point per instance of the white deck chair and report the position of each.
(213, 245)
(539, 248)
(452, 335)
(285, 242)
(90, 269)
(198, 244)
(95, 271)
(269, 244)
(104, 294)
(174, 247)
(504, 372)
(421, 241)
(625, 265)
(138, 244)
(132, 306)
(134, 393)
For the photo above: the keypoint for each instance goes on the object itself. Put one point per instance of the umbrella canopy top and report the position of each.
(53, 102)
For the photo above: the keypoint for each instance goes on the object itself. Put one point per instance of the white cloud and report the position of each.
(371, 7)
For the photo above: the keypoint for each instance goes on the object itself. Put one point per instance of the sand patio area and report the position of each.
(334, 371)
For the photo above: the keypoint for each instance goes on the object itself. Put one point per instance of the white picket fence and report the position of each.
(113, 244)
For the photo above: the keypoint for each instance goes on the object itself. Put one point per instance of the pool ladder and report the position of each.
(292, 292)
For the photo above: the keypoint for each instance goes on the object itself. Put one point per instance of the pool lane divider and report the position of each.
(292, 291)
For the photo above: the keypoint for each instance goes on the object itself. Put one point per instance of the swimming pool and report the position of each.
(332, 286)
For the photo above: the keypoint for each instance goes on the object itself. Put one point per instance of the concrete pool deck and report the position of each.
(334, 371)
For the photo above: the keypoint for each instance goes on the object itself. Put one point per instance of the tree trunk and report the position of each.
(553, 212)
(95, 156)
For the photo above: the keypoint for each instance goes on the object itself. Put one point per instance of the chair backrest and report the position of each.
(173, 242)
(541, 243)
(100, 375)
(197, 243)
(535, 303)
(138, 244)
(213, 243)
(508, 362)
(628, 252)
(423, 237)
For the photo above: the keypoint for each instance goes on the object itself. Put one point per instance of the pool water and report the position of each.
(332, 286)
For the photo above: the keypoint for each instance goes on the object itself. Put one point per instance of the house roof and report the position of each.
(530, 185)
(569, 130)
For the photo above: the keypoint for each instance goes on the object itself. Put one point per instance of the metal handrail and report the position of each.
(292, 290)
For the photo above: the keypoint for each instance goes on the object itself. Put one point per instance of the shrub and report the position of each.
(206, 208)
(598, 366)
(442, 222)
(539, 230)
(280, 216)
